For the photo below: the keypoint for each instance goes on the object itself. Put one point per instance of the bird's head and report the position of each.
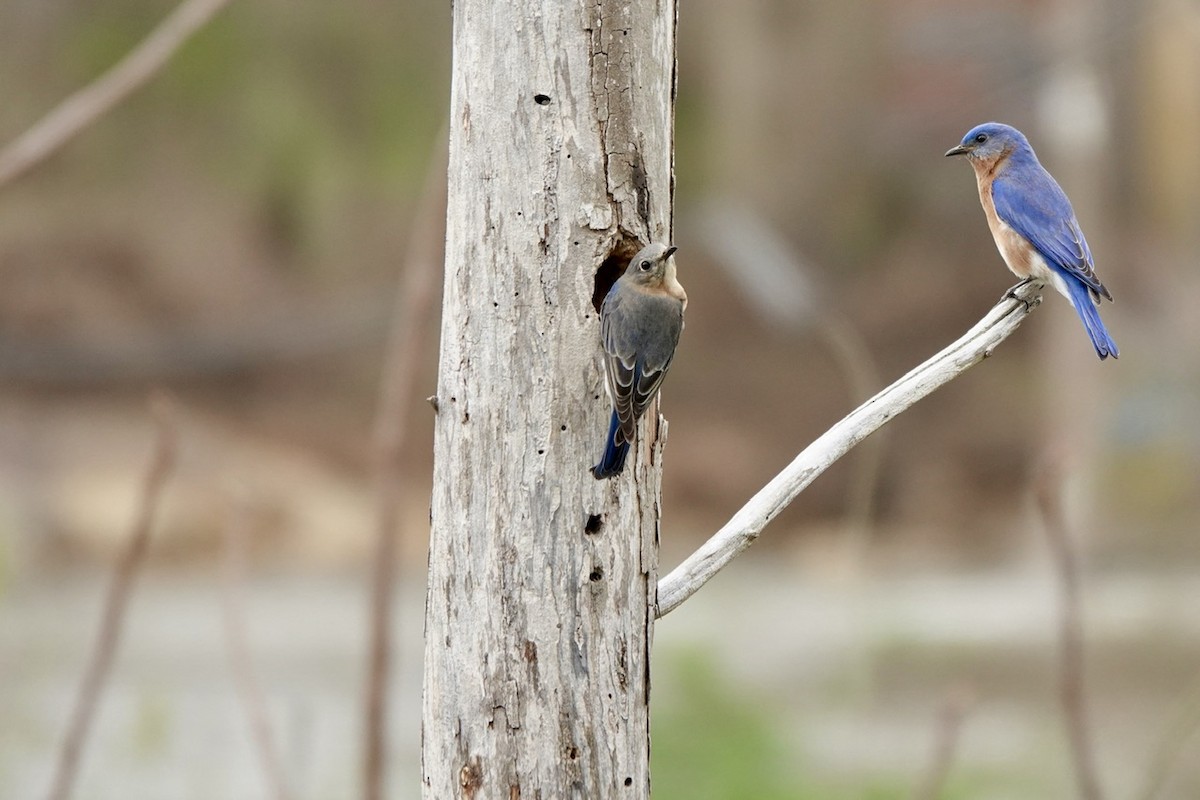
(650, 266)
(989, 142)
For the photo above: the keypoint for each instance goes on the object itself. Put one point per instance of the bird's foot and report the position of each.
(1028, 291)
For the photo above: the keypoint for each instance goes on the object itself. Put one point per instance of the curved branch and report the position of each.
(745, 526)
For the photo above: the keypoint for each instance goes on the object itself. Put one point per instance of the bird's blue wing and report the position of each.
(1029, 201)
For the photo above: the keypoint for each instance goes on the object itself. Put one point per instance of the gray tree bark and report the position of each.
(542, 579)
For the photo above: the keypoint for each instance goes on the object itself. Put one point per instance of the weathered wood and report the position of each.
(541, 579)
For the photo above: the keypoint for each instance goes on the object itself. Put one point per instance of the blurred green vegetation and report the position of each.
(316, 121)
(262, 83)
(712, 740)
(710, 744)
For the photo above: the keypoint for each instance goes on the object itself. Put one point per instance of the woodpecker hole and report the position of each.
(542, 99)
(593, 524)
(612, 268)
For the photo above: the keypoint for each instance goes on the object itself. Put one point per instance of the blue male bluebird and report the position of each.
(1033, 224)
(640, 322)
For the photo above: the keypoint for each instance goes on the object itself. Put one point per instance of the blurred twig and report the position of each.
(415, 309)
(949, 726)
(1180, 727)
(93, 101)
(862, 375)
(782, 287)
(1048, 491)
(248, 687)
(116, 602)
(745, 526)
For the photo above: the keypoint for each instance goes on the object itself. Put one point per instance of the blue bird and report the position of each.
(640, 322)
(1033, 223)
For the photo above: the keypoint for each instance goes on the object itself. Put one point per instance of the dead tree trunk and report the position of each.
(541, 579)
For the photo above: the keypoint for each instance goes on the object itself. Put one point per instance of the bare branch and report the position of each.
(248, 687)
(1048, 490)
(115, 603)
(745, 526)
(415, 307)
(93, 101)
(954, 710)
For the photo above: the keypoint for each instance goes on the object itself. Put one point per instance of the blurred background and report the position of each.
(235, 233)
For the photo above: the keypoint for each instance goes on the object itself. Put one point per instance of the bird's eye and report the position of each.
(645, 265)
(981, 138)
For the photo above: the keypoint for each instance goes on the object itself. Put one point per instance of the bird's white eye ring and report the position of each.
(645, 265)
(981, 138)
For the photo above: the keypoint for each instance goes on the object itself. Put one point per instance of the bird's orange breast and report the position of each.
(1017, 253)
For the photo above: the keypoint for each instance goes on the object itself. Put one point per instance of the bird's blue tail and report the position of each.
(613, 460)
(1081, 298)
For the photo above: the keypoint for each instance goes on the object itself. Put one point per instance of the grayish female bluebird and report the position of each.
(640, 322)
(1033, 223)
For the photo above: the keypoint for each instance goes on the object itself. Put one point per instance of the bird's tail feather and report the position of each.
(1081, 298)
(613, 460)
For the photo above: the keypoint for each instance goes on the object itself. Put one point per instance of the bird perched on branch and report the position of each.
(1033, 224)
(640, 322)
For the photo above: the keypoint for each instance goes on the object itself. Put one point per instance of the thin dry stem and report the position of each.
(116, 603)
(93, 101)
(415, 306)
(248, 688)
(1048, 492)
(862, 375)
(949, 728)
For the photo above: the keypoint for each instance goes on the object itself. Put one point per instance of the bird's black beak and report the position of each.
(958, 150)
(671, 251)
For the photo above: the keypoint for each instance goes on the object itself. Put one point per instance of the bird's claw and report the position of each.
(1027, 291)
